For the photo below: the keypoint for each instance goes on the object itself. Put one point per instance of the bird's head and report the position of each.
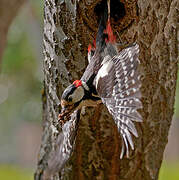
(72, 96)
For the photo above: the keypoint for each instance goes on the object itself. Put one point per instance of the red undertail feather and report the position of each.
(89, 47)
(77, 83)
(111, 37)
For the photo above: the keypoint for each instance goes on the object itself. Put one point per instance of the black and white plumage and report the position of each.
(111, 78)
(118, 85)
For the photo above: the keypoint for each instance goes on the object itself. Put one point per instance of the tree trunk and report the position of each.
(8, 11)
(69, 26)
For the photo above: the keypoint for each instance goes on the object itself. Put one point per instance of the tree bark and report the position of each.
(8, 11)
(69, 26)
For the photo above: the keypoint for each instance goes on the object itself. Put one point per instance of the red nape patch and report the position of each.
(77, 83)
(111, 37)
(89, 47)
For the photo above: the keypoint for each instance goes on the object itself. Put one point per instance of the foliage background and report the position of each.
(21, 83)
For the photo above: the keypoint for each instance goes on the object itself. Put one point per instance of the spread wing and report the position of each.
(118, 85)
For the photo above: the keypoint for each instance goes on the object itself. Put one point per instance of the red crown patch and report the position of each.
(77, 83)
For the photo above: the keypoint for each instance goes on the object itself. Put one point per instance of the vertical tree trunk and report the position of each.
(68, 28)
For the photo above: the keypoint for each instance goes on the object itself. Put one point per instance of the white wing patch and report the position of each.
(104, 70)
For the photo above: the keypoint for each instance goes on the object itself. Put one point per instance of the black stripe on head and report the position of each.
(68, 91)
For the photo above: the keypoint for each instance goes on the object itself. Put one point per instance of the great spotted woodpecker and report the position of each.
(111, 78)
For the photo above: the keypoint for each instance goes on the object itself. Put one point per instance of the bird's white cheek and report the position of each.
(78, 94)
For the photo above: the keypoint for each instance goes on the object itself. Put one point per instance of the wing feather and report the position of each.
(119, 90)
(65, 145)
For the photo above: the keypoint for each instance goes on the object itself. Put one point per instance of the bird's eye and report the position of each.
(69, 98)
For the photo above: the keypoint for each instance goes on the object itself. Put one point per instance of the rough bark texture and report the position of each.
(8, 11)
(68, 28)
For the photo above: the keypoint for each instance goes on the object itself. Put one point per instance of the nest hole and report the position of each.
(117, 9)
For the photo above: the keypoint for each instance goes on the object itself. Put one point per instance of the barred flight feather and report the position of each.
(124, 100)
(65, 145)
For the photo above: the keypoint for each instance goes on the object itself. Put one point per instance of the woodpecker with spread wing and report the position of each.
(111, 78)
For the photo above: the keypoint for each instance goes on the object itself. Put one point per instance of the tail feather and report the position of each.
(100, 38)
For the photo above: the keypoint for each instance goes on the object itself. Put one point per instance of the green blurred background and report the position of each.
(20, 101)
